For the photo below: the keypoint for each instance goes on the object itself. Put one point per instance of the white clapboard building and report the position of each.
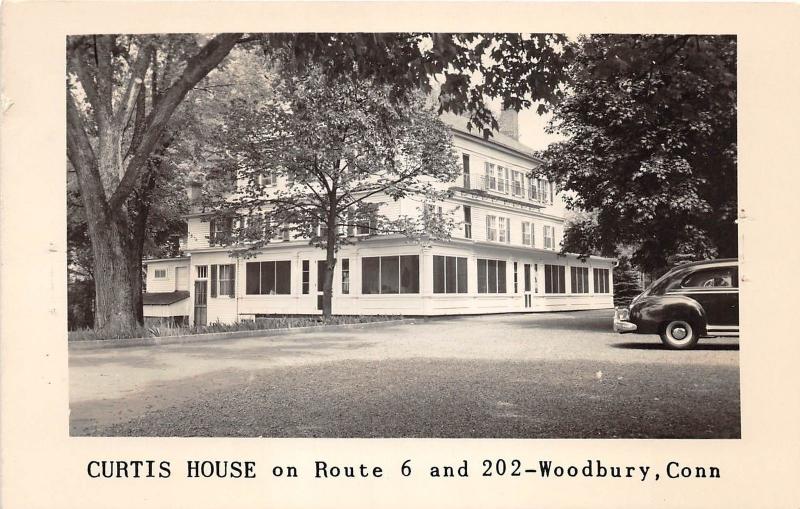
(502, 258)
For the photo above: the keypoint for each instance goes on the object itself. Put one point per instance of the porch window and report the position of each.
(516, 286)
(554, 279)
(449, 274)
(579, 277)
(269, 278)
(390, 274)
(601, 281)
(345, 276)
(491, 276)
(306, 276)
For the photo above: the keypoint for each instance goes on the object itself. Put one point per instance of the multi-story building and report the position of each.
(503, 257)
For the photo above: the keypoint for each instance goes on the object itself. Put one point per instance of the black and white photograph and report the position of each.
(458, 255)
(403, 235)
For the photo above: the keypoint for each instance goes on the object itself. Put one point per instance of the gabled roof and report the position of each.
(459, 124)
(163, 298)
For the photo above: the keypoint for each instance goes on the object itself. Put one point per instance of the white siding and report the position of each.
(167, 283)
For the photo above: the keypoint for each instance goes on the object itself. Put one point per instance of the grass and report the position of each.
(277, 322)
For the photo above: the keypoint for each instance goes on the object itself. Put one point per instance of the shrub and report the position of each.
(261, 323)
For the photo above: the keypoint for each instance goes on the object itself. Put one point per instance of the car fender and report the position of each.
(650, 313)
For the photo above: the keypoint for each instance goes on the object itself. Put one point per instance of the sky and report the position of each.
(531, 130)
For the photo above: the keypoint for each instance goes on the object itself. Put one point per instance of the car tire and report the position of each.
(679, 335)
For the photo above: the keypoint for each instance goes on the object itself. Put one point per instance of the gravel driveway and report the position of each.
(559, 375)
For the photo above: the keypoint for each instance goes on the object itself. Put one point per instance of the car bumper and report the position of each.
(621, 325)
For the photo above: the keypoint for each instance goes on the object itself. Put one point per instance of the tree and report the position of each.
(651, 148)
(116, 124)
(114, 130)
(341, 144)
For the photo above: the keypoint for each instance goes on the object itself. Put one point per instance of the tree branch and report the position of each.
(81, 155)
(196, 69)
(126, 106)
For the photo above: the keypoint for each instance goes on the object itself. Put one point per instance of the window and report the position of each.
(515, 278)
(268, 278)
(491, 228)
(554, 279)
(549, 237)
(390, 274)
(601, 281)
(345, 275)
(160, 273)
(202, 271)
(504, 230)
(267, 179)
(223, 280)
(220, 231)
(717, 277)
(306, 277)
(540, 190)
(579, 277)
(227, 280)
(527, 233)
(367, 228)
(467, 222)
(491, 179)
(465, 167)
(449, 274)
(516, 183)
(491, 276)
(502, 179)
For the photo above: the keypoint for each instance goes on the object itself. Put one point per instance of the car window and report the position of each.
(717, 277)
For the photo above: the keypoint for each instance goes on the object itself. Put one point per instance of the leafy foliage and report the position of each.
(519, 69)
(340, 146)
(651, 149)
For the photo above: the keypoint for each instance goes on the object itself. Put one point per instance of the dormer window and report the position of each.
(267, 178)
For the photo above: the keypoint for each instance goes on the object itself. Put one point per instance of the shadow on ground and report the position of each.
(446, 398)
(660, 346)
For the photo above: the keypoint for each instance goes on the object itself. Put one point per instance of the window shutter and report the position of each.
(211, 227)
(213, 281)
(508, 230)
(233, 280)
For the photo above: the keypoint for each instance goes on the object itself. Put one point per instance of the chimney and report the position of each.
(509, 123)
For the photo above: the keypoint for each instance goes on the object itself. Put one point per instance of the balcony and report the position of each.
(503, 189)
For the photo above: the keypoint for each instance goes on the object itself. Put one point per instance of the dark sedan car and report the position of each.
(691, 301)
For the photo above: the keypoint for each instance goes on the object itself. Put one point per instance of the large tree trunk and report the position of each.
(115, 312)
(106, 180)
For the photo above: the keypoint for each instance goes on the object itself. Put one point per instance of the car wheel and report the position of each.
(679, 335)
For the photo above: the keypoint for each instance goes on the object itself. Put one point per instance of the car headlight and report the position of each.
(623, 313)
